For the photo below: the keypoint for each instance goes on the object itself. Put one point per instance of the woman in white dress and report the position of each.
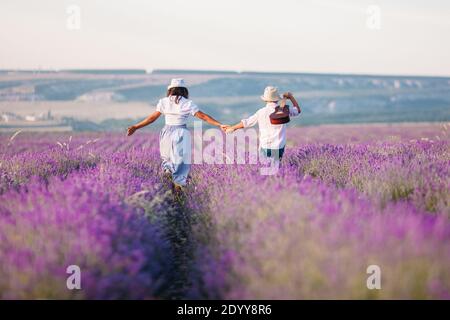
(174, 139)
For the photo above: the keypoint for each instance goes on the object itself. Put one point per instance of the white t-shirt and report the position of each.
(271, 136)
(176, 114)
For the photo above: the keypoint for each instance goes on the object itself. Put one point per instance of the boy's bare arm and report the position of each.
(290, 96)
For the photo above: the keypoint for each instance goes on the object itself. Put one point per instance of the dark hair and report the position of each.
(178, 92)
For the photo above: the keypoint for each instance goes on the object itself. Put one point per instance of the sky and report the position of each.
(396, 37)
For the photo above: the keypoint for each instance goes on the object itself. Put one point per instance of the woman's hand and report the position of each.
(230, 130)
(131, 130)
(224, 127)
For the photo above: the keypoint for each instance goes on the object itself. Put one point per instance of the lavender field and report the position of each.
(346, 197)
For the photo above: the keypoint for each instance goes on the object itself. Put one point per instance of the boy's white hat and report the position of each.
(271, 94)
(179, 82)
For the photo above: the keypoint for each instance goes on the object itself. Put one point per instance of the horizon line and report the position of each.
(211, 71)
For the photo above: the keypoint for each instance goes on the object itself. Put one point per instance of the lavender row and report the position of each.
(104, 218)
(288, 237)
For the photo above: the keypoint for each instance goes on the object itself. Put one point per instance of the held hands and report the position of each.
(227, 128)
(230, 130)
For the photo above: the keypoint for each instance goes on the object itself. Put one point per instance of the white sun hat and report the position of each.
(179, 82)
(271, 94)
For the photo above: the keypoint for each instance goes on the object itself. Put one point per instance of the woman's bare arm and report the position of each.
(150, 119)
(207, 118)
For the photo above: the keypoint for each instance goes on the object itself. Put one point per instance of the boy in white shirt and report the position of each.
(272, 137)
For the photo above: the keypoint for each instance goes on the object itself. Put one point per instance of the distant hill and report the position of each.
(325, 98)
(106, 71)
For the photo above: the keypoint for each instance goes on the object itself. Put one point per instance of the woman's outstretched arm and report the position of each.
(150, 119)
(207, 118)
